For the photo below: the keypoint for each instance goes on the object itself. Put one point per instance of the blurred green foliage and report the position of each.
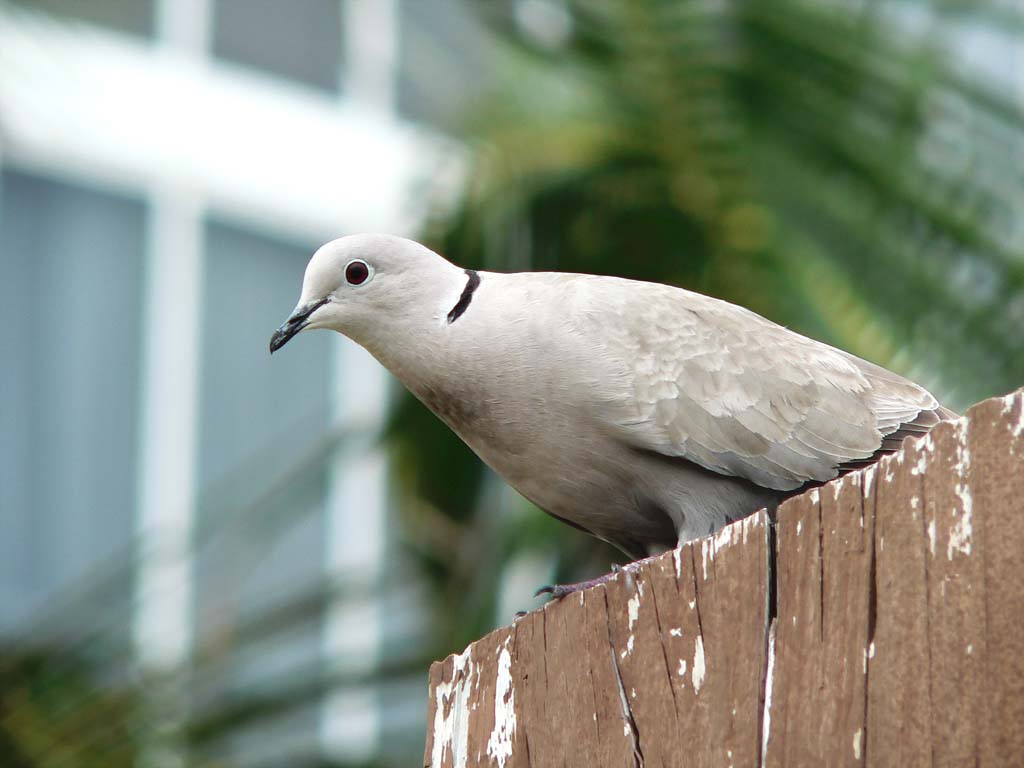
(43, 724)
(834, 167)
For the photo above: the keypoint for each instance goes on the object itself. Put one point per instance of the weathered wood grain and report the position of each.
(823, 577)
(690, 684)
(621, 674)
(956, 629)
(993, 504)
(899, 714)
(880, 622)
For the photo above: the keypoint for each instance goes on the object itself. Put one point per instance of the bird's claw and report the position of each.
(556, 591)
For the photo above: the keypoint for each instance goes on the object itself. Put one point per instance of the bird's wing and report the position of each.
(711, 382)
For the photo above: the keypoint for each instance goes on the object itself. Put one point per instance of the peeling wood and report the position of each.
(878, 623)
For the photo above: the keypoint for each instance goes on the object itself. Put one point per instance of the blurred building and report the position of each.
(167, 492)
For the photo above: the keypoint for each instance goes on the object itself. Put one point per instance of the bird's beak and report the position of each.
(299, 319)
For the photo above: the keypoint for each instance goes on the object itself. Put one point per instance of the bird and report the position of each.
(644, 414)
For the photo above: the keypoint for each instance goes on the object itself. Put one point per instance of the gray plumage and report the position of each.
(642, 413)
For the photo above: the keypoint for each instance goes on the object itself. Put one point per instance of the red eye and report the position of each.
(356, 272)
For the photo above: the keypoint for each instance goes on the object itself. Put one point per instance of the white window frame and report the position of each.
(195, 137)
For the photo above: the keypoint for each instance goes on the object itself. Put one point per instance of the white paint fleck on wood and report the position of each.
(962, 531)
(451, 717)
(723, 538)
(869, 477)
(712, 545)
(633, 606)
(1016, 428)
(769, 682)
(698, 664)
(499, 745)
(926, 447)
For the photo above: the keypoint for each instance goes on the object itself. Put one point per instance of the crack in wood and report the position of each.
(664, 652)
(865, 496)
(627, 710)
(696, 591)
(544, 635)
(771, 612)
(821, 568)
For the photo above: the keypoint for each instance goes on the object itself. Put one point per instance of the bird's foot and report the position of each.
(558, 591)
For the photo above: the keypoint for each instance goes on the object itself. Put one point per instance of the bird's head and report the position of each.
(368, 286)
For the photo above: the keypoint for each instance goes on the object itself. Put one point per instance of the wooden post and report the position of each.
(881, 622)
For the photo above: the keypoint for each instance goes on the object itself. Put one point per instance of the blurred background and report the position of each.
(208, 558)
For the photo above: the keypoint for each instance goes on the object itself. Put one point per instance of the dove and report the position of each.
(644, 414)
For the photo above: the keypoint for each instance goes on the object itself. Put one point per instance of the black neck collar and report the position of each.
(467, 296)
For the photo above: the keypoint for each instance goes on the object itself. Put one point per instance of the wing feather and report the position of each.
(723, 387)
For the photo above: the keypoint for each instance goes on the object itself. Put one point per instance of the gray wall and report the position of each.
(71, 267)
(261, 509)
(136, 17)
(297, 39)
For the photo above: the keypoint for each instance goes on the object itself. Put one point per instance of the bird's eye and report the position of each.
(357, 272)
